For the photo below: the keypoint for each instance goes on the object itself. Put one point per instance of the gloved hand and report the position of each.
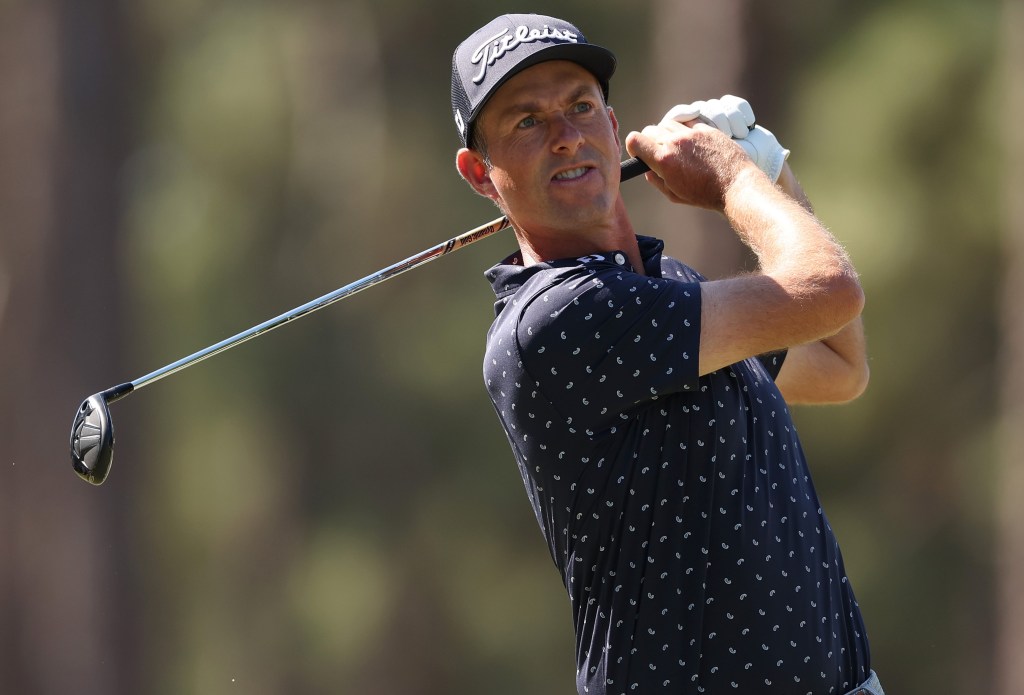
(763, 147)
(734, 117)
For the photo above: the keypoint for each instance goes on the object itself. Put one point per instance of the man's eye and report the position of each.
(528, 122)
(582, 107)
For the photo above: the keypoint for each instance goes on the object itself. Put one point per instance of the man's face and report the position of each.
(553, 149)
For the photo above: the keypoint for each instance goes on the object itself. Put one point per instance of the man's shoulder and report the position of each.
(674, 269)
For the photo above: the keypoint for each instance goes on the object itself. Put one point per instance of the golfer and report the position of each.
(647, 407)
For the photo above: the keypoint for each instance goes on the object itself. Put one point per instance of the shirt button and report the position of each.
(620, 259)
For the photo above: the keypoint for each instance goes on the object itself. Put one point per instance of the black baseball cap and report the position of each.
(509, 44)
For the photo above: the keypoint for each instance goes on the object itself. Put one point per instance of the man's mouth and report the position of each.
(571, 174)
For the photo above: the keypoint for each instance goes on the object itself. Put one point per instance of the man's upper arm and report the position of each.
(833, 370)
(756, 314)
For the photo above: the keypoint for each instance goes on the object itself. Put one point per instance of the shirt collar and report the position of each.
(509, 275)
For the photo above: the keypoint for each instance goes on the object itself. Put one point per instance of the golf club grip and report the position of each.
(633, 167)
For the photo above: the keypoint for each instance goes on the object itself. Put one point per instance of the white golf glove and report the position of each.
(734, 117)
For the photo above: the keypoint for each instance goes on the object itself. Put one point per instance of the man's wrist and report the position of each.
(745, 182)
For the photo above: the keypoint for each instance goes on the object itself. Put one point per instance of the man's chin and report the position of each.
(594, 211)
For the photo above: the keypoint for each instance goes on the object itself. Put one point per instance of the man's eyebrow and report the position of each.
(533, 106)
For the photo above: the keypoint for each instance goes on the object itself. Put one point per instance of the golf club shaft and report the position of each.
(630, 168)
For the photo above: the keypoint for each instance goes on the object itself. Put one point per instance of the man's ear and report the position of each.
(615, 126)
(474, 170)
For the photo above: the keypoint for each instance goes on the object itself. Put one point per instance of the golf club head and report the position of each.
(92, 440)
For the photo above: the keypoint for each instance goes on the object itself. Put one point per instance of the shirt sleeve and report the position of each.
(772, 362)
(600, 341)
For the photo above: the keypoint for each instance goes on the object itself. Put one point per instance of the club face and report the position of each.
(92, 440)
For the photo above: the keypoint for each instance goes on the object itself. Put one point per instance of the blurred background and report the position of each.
(333, 508)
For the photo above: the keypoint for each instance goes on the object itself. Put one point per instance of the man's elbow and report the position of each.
(854, 383)
(847, 299)
(840, 386)
(827, 297)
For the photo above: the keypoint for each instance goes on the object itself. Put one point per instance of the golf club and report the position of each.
(92, 432)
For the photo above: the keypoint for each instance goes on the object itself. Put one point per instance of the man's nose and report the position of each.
(565, 136)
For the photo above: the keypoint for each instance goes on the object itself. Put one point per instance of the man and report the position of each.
(647, 407)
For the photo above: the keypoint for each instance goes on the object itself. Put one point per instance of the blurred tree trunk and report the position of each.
(1009, 546)
(60, 144)
(692, 58)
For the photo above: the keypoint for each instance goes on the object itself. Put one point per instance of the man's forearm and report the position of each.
(836, 369)
(790, 243)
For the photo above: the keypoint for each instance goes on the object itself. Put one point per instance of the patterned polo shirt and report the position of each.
(678, 509)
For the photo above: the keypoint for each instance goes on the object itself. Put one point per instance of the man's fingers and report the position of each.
(763, 147)
(743, 106)
(659, 183)
(740, 114)
(731, 115)
(681, 113)
(639, 145)
(643, 145)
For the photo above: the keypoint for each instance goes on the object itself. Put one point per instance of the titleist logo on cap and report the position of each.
(498, 45)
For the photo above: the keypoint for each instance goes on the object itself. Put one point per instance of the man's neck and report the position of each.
(617, 235)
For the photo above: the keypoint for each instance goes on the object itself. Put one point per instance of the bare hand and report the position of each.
(691, 163)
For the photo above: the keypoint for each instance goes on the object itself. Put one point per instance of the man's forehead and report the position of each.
(542, 84)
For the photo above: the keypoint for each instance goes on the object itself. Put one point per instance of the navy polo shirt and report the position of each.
(678, 509)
